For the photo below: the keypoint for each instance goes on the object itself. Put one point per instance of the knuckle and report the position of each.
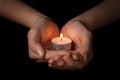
(61, 63)
(57, 58)
(65, 57)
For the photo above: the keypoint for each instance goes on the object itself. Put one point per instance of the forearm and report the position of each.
(19, 12)
(103, 14)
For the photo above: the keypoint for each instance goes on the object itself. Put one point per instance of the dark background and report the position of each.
(14, 54)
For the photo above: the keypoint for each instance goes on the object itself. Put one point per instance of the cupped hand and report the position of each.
(81, 52)
(39, 37)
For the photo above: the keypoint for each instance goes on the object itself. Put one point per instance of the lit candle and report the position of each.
(61, 43)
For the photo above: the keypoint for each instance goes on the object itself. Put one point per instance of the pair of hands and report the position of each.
(40, 35)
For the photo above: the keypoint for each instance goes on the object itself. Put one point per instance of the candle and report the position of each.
(61, 43)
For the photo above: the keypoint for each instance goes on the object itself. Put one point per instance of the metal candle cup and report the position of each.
(61, 43)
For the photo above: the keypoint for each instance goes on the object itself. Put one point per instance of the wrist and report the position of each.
(87, 30)
(39, 21)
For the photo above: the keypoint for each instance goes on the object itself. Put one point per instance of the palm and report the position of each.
(39, 38)
(81, 52)
(81, 40)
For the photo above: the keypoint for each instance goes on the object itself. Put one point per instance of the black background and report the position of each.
(14, 49)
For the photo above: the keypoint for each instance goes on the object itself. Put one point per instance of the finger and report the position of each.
(74, 55)
(86, 45)
(68, 60)
(84, 53)
(37, 49)
(56, 62)
(56, 66)
(82, 50)
(34, 44)
(51, 62)
(33, 55)
(50, 65)
(53, 53)
(59, 61)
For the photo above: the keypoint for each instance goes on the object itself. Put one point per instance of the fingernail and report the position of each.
(50, 65)
(39, 52)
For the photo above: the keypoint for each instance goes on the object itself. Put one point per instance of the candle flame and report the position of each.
(61, 36)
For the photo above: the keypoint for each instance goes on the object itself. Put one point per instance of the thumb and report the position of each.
(35, 48)
(39, 50)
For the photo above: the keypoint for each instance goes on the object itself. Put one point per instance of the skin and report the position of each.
(81, 52)
(43, 29)
(79, 30)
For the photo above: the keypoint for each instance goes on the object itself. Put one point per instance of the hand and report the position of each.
(81, 52)
(39, 37)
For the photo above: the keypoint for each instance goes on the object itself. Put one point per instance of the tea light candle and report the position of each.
(61, 43)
